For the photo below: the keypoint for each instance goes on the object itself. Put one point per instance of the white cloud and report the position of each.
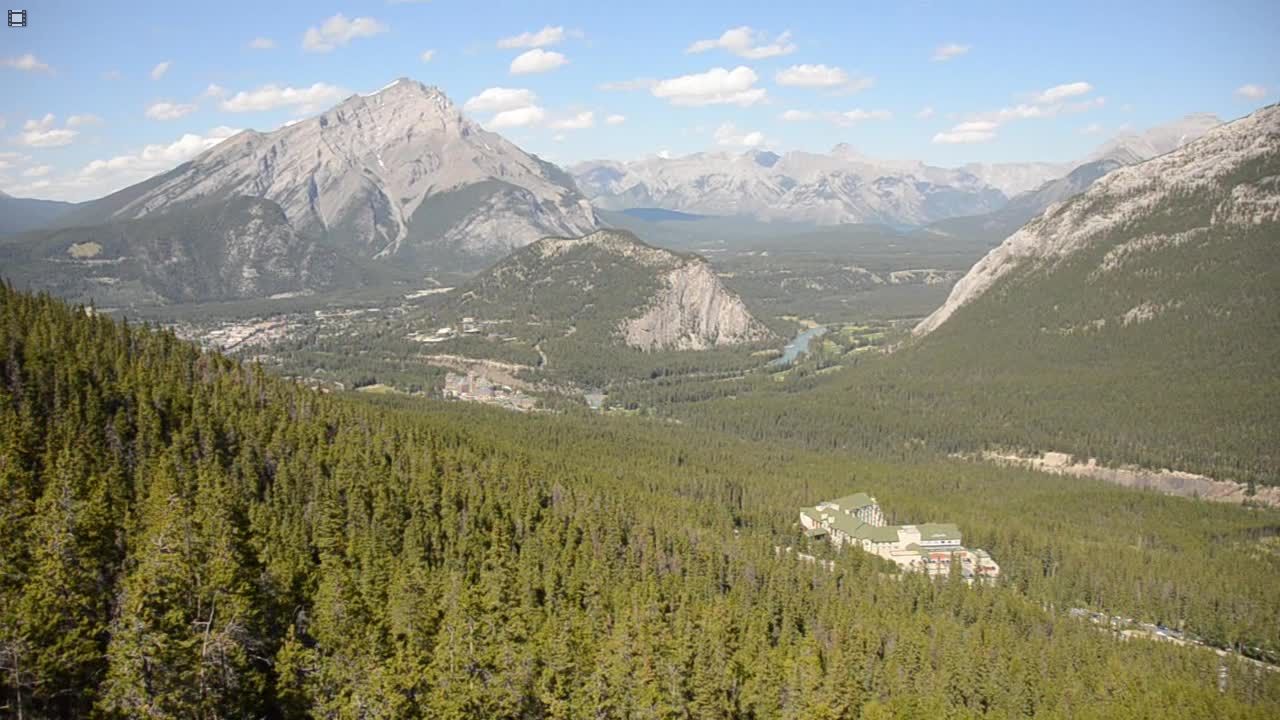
(169, 111)
(796, 115)
(974, 131)
(628, 85)
(1058, 93)
(664, 154)
(270, 97)
(338, 31)
(949, 51)
(519, 117)
(81, 120)
(37, 171)
(558, 137)
(44, 133)
(262, 43)
(717, 86)
(537, 61)
(543, 38)
(823, 76)
(7, 159)
(615, 119)
(1091, 129)
(925, 112)
(498, 99)
(1024, 111)
(427, 56)
(581, 121)
(101, 177)
(859, 115)
(747, 43)
(26, 63)
(812, 76)
(214, 91)
(728, 134)
(512, 107)
(1251, 92)
(1046, 104)
(160, 69)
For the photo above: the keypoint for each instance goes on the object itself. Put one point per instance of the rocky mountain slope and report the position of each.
(400, 173)
(840, 187)
(1125, 149)
(611, 287)
(1208, 194)
(241, 248)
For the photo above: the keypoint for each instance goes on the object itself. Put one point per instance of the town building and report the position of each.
(473, 387)
(857, 520)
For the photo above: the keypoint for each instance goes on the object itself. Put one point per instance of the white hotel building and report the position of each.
(931, 547)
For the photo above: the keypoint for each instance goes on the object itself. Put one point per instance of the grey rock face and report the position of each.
(360, 172)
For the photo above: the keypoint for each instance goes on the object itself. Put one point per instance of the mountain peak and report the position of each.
(1134, 147)
(399, 170)
(846, 151)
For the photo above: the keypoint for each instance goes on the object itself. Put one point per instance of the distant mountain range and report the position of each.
(845, 187)
(836, 188)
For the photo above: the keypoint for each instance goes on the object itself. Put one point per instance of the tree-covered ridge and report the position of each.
(185, 536)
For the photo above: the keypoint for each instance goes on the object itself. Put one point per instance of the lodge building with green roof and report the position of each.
(858, 520)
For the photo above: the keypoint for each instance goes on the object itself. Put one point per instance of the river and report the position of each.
(799, 345)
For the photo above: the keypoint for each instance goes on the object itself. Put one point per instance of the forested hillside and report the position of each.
(184, 536)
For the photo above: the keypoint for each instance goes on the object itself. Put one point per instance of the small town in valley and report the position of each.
(473, 387)
(857, 520)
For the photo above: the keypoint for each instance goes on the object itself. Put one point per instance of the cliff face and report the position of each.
(693, 311)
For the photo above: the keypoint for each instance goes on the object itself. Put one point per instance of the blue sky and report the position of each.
(90, 104)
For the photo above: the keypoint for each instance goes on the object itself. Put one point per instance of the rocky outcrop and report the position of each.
(693, 311)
